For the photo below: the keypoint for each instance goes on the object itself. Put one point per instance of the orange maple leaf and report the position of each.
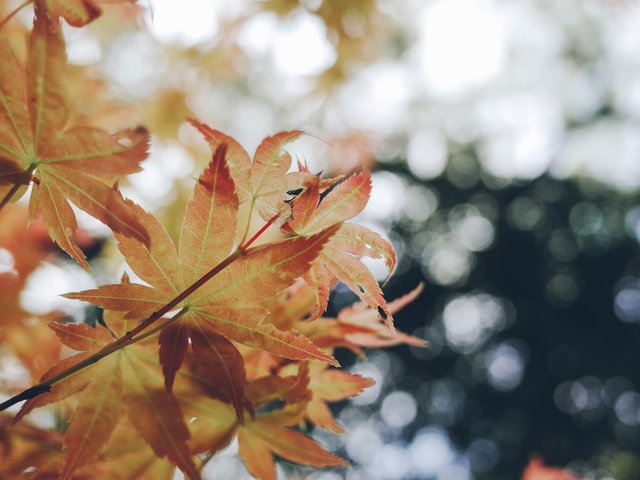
(328, 385)
(230, 304)
(127, 382)
(312, 211)
(77, 13)
(78, 164)
(265, 182)
(537, 470)
(320, 204)
(262, 436)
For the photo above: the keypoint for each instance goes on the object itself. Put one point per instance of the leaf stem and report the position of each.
(135, 335)
(249, 217)
(260, 232)
(45, 386)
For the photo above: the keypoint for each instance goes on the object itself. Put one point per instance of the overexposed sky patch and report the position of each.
(187, 22)
(462, 45)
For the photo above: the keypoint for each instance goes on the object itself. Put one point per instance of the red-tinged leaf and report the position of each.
(77, 165)
(359, 324)
(269, 179)
(320, 282)
(158, 418)
(305, 205)
(343, 202)
(263, 271)
(327, 332)
(156, 263)
(138, 300)
(334, 385)
(270, 162)
(174, 341)
(209, 227)
(377, 338)
(359, 240)
(275, 198)
(256, 455)
(257, 275)
(360, 314)
(218, 361)
(537, 470)
(247, 328)
(237, 158)
(360, 280)
(80, 336)
(292, 445)
(95, 417)
(320, 415)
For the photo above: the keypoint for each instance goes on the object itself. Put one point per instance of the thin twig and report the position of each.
(249, 218)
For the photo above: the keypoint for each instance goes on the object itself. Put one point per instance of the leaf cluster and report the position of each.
(222, 337)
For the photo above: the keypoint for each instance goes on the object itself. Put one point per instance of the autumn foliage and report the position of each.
(222, 335)
(537, 470)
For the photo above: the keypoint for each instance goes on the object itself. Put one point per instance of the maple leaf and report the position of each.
(76, 164)
(264, 183)
(366, 332)
(537, 470)
(312, 211)
(263, 435)
(356, 327)
(127, 382)
(77, 13)
(322, 203)
(228, 305)
(267, 435)
(332, 385)
(328, 385)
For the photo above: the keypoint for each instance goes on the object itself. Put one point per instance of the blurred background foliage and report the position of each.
(505, 142)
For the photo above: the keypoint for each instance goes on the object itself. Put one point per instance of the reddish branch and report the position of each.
(137, 334)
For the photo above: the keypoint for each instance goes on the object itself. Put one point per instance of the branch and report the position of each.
(136, 335)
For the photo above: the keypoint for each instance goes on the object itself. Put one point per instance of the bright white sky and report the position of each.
(478, 70)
